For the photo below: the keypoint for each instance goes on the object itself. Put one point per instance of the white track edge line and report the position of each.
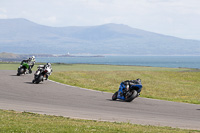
(78, 87)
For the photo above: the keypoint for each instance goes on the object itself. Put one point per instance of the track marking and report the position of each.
(79, 87)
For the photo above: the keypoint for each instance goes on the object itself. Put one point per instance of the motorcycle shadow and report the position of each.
(28, 82)
(118, 100)
(13, 75)
(33, 83)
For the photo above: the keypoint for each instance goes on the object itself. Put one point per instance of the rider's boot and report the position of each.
(30, 71)
(26, 71)
(46, 77)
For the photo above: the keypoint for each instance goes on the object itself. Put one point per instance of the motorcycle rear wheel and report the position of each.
(131, 97)
(21, 70)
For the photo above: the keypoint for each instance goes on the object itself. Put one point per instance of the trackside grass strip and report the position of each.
(166, 85)
(25, 122)
(88, 67)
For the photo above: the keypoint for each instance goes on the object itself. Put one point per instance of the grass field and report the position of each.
(166, 85)
(25, 122)
(87, 67)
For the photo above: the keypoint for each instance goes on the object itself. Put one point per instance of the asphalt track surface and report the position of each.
(18, 93)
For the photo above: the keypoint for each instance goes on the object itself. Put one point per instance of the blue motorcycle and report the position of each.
(128, 90)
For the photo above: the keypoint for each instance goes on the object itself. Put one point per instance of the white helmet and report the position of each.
(33, 57)
(49, 64)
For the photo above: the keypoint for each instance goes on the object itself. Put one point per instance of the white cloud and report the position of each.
(2, 10)
(3, 16)
(3, 13)
(51, 19)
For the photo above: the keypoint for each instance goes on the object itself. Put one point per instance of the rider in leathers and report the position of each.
(31, 62)
(126, 84)
(49, 69)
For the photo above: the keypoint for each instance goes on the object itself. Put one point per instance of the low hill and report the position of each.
(9, 55)
(24, 36)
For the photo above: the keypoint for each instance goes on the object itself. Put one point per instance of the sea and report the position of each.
(153, 61)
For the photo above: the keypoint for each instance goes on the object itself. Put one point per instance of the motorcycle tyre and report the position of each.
(133, 96)
(114, 97)
(37, 81)
(20, 71)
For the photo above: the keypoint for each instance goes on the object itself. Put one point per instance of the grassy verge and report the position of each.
(19, 122)
(88, 67)
(166, 85)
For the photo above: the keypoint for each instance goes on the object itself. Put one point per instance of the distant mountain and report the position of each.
(24, 36)
(8, 55)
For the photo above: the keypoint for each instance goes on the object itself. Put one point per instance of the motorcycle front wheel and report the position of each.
(39, 79)
(114, 97)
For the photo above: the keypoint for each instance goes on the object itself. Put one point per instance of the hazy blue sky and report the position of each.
(180, 18)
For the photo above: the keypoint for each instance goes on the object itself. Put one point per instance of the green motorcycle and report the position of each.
(22, 68)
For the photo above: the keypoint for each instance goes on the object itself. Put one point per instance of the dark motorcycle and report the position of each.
(128, 90)
(22, 68)
(40, 74)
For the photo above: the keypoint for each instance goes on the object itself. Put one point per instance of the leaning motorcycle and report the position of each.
(128, 90)
(40, 74)
(22, 68)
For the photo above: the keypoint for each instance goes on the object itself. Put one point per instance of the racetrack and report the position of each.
(18, 93)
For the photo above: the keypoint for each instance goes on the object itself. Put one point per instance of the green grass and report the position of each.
(166, 85)
(8, 66)
(21, 122)
(13, 66)
(87, 67)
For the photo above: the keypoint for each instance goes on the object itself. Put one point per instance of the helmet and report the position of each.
(139, 80)
(48, 64)
(33, 57)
